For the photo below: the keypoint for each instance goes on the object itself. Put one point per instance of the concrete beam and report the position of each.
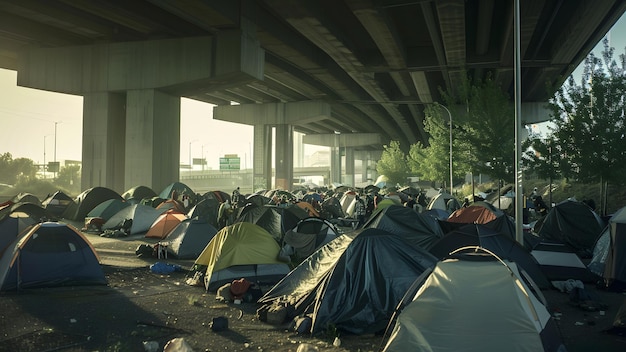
(178, 66)
(274, 113)
(344, 139)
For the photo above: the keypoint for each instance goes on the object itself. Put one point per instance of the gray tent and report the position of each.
(189, 238)
(108, 208)
(609, 254)
(309, 235)
(572, 223)
(143, 217)
(86, 201)
(473, 305)
(440, 201)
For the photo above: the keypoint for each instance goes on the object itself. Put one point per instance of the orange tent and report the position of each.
(309, 209)
(171, 204)
(474, 214)
(165, 223)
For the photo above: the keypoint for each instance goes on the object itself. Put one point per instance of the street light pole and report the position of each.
(44, 155)
(449, 115)
(202, 161)
(55, 147)
(190, 166)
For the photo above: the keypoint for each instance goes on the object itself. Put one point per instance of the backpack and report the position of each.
(238, 288)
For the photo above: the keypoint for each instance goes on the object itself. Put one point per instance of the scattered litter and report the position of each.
(219, 324)
(307, 347)
(337, 342)
(568, 285)
(177, 345)
(164, 268)
(578, 323)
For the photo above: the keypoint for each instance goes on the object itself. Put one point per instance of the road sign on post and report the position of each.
(230, 162)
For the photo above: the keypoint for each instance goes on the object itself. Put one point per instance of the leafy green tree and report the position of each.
(432, 162)
(393, 163)
(588, 140)
(69, 178)
(485, 135)
(12, 170)
(538, 157)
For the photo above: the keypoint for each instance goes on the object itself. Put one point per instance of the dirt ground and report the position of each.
(140, 306)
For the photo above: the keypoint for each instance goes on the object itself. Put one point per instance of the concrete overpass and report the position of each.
(322, 67)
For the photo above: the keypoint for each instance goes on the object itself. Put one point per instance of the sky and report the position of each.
(33, 119)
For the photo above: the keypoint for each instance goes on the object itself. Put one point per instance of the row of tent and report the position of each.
(332, 283)
(570, 224)
(355, 281)
(570, 228)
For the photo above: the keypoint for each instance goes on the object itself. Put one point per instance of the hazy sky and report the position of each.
(28, 117)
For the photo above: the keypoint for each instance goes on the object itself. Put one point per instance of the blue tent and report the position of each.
(50, 254)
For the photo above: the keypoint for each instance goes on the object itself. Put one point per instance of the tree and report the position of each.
(432, 162)
(485, 136)
(69, 177)
(393, 163)
(590, 123)
(13, 170)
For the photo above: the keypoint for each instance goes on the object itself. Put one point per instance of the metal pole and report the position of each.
(519, 210)
(451, 182)
(55, 148)
(44, 157)
(190, 166)
(450, 116)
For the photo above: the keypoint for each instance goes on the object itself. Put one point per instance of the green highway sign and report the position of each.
(231, 162)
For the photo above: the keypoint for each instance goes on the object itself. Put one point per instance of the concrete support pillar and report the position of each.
(282, 115)
(374, 157)
(284, 157)
(104, 130)
(340, 142)
(335, 160)
(365, 162)
(262, 157)
(349, 168)
(152, 139)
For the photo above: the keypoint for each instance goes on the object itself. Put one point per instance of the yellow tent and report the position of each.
(241, 250)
